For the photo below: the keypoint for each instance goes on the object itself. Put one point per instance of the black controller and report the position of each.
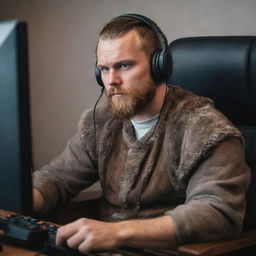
(25, 231)
(33, 233)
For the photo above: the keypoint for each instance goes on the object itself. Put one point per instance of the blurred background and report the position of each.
(62, 39)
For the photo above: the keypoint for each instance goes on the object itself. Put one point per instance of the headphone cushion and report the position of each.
(98, 77)
(161, 65)
(155, 65)
(165, 65)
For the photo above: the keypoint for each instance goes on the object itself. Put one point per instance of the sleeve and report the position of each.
(215, 198)
(65, 176)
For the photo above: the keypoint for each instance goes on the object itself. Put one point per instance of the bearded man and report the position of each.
(171, 166)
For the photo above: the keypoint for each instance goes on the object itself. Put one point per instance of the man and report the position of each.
(171, 166)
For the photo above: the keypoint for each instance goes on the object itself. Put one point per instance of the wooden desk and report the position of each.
(10, 250)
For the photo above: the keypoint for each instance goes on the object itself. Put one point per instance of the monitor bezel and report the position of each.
(24, 206)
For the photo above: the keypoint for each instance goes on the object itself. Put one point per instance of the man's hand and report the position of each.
(1, 232)
(87, 234)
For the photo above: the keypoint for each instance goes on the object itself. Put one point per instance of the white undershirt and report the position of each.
(142, 127)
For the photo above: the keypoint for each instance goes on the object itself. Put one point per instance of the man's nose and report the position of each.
(113, 78)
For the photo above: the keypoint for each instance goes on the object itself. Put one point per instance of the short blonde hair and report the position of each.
(119, 27)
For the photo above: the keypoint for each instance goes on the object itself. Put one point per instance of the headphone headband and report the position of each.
(151, 24)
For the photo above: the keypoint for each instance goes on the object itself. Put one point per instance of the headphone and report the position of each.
(161, 62)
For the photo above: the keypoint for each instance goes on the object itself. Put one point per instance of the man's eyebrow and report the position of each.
(100, 66)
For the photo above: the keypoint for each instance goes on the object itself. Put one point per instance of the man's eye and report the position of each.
(104, 69)
(125, 66)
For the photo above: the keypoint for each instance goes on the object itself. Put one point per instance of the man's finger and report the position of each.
(68, 230)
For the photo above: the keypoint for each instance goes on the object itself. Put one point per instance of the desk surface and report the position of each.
(10, 250)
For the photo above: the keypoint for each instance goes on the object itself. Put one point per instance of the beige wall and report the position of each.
(62, 38)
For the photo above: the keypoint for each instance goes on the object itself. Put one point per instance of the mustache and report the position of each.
(113, 91)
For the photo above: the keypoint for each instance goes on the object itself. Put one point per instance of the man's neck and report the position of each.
(155, 106)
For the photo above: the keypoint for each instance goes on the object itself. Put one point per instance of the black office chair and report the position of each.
(223, 69)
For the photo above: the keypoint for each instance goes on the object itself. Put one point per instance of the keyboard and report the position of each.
(38, 235)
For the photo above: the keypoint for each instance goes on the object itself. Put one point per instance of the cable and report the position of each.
(94, 115)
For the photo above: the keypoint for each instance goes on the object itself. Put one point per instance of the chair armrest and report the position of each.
(220, 247)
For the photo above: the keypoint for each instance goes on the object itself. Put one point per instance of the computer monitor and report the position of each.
(15, 139)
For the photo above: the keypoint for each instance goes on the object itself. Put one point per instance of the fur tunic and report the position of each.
(191, 167)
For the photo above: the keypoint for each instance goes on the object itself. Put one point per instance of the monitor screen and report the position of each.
(15, 140)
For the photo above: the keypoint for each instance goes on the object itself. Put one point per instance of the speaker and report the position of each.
(161, 63)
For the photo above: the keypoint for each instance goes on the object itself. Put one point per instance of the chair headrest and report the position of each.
(221, 68)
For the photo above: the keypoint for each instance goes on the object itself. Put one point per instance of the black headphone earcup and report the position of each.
(161, 65)
(165, 65)
(154, 65)
(98, 77)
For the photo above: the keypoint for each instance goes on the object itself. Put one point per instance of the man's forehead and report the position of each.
(129, 34)
(126, 42)
(128, 38)
(122, 47)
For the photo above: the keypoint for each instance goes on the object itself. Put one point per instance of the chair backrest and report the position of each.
(224, 69)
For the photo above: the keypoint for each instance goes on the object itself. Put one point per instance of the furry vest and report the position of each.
(147, 177)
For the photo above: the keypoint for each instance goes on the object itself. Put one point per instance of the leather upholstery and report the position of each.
(224, 69)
